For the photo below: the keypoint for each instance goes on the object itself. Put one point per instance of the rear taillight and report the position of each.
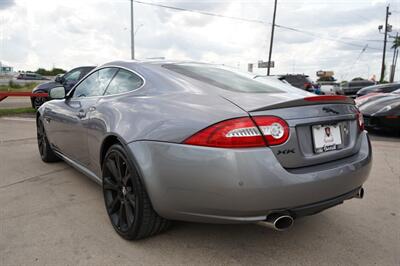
(360, 120)
(274, 129)
(242, 133)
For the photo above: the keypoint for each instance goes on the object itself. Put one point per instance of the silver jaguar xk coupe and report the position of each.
(204, 143)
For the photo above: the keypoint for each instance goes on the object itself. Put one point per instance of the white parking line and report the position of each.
(22, 119)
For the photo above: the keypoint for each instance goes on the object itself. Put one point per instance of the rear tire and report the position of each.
(127, 203)
(46, 152)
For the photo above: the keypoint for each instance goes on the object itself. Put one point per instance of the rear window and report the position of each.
(223, 78)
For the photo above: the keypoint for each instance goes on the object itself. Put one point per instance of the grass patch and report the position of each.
(11, 86)
(16, 111)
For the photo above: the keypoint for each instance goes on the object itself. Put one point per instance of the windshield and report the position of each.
(222, 77)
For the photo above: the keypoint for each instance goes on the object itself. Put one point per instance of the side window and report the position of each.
(73, 76)
(84, 72)
(124, 81)
(95, 84)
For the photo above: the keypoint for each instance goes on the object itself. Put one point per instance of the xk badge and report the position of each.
(287, 151)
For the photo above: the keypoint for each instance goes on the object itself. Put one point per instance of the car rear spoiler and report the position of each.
(311, 100)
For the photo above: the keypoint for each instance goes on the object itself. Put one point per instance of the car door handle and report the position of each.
(81, 114)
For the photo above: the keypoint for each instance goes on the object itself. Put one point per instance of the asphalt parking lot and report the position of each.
(15, 102)
(51, 214)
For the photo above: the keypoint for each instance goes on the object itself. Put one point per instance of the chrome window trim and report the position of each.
(133, 72)
(103, 96)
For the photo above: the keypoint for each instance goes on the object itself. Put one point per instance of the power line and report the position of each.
(315, 35)
(322, 37)
(202, 12)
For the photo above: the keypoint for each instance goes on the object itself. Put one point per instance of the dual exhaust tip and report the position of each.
(283, 221)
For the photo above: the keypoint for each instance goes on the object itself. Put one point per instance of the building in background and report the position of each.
(6, 70)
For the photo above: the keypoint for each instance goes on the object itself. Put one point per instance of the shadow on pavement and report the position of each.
(383, 135)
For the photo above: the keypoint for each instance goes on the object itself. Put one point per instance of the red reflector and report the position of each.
(360, 120)
(325, 98)
(392, 116)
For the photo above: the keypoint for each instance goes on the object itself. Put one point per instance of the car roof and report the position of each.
(90, 67)
(382, 85)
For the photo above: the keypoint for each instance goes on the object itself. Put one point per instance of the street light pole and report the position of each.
(272, 39)
(384, 45)
(132, 34)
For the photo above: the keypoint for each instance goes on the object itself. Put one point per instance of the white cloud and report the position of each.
(43, 33)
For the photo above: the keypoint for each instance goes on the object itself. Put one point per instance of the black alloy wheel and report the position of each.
(119, 191)
(126, 200)
(38, 101)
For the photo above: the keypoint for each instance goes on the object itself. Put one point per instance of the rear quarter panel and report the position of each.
(161, 117)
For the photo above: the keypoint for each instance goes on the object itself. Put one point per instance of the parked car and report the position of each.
(68, 80)
(204, 143)
(381, 88)
(368, 97)
(328, 85)
(329, 88)
(278, 81)
(351, 88)
(300, 81)
(31, 76)
(382, 111)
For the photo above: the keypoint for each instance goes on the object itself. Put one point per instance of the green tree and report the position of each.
(53, 72)
(41, 71)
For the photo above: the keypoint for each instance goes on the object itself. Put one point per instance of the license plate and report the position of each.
(326, 137)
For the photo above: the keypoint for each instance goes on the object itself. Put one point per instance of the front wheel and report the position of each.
(38, 101)
(46, 152)
(126, 199)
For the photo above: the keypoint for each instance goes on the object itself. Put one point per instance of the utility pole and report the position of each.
(132, 34)
(384, 45)
(272, 39)
(394, 59)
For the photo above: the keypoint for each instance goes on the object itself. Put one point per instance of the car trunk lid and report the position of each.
(307, 118)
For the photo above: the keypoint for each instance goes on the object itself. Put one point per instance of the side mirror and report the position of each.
(57, 93)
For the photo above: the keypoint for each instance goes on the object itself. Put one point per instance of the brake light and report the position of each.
(242, 133)
(360, 120)
(325, 98)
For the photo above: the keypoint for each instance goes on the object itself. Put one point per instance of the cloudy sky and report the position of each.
(69, 33)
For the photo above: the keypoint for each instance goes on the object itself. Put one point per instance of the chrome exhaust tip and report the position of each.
(278, 222)
(360, 193)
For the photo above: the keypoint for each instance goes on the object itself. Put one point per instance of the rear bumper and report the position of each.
(317, 207)
(241, 185)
